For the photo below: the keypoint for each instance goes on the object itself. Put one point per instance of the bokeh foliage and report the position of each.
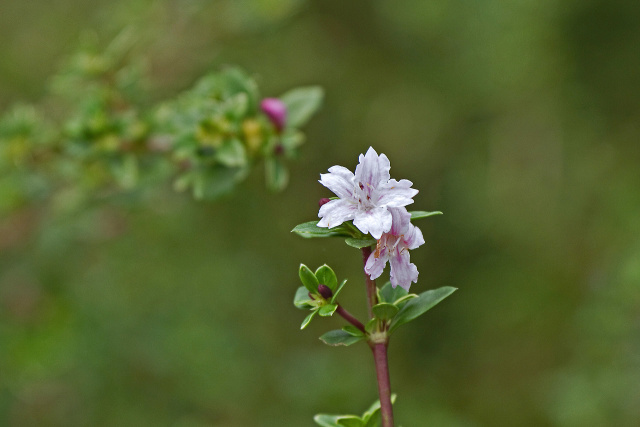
(518, 120)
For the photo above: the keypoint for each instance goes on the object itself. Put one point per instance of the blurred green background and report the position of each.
(520, 120)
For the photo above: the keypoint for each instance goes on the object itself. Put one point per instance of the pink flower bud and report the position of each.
(276, 111)
(325, 291)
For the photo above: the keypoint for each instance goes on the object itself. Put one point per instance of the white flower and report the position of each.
(394, 247)
(366, 196)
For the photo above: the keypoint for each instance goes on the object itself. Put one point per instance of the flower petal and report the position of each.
(402, 271)
(375, 266)
(372, 169)
(413, 237)
(396, 194)
(339, 180)
(336, 212)
(401, 219)
(374, 221)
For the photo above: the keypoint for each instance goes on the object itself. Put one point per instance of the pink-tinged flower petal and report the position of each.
(372, 168)
(375, 266)
(373, 221)
(401, 219)
(396, 194)
(339, 180)
(413, 237)
(336, 212)
(403, 273)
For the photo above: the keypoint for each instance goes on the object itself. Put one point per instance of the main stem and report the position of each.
(384, 385)
(379, 350)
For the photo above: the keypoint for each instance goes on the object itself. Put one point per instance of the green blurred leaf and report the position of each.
(308, 319)
(232, 153)
(328, 310)
(418, 306)
(301, 299)
(308, 279)
(359, 243)
(276, 174)
(310, 229)
(385, 311)
(301, 104)
(339, 337)
(326, 276)
(423, 214)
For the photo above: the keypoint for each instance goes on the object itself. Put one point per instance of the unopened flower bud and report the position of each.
(325, 291)
(323, 201)
(276, 111)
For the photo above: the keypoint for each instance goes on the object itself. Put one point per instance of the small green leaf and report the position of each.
(352, 330)
(308, 279)
(276, 174)
(418, 306)
(326, 276)
(371, 417)
(308, 319)
(232, 153)
(302, 300)
(423, 214)
(385, 311)
(359, 243)
(310, 229)
(390, 294)
(325, 420)
(400, 302)
(339, 337)
(371, 325)
(335, 294)
(327, 310)
(301, 104)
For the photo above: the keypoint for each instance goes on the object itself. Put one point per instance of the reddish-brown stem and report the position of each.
(372, 297)
(350, 318)
(384, 386)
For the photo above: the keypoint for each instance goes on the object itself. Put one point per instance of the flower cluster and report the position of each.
(376, 205)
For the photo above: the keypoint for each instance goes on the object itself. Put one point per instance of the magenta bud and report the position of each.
(325, 291)
(276, 111)
(323, 201)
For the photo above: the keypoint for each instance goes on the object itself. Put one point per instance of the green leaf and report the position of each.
(311, 229)
(390, 294)
(423, 214)
(308, 279)
(232, 153)
(325, 420)
(308, 319)
(327, 310)
(326, 276)
(418, 306)
(335, 294)
(352, 330)
(371, 325)
(276, 174)
(301, 104)
(385, 311)
(359, 243)
(339, 337)
(302, 300)
(213, 182)
(371, 416)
